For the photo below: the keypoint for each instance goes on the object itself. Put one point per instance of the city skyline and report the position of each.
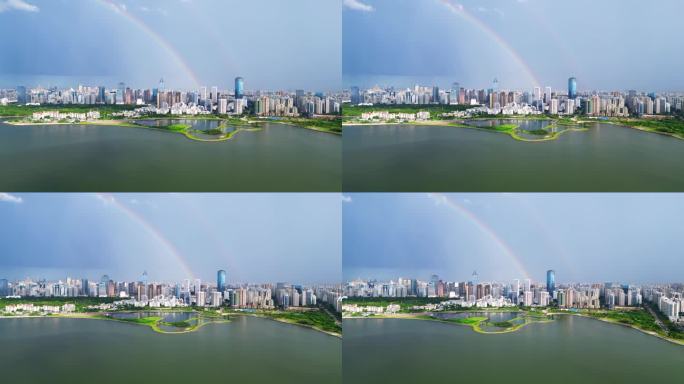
(589, 237)
(172, 236)
(216, 41)
(472, 42)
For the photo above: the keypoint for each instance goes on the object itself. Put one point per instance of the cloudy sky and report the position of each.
(607, 44)
(273, 44)
(255, 237)
(584, 237)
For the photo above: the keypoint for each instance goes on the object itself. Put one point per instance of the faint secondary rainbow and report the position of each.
(485, 228)
(151, 229)
(460, 10)
(159, 39)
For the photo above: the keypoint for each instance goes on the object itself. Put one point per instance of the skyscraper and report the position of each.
(221, 280)
(21, 95)
(239, 87)
(550, 281)
(120, 90)
(572, 88)
(355, 96)
(454, 93)
(101, 98)
(4, 288)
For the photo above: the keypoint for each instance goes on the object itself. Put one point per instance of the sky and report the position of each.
(606, 45)
(255, 237)
(628, 238)
(273, 44)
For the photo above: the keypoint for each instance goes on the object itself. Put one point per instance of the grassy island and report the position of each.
(317, 319)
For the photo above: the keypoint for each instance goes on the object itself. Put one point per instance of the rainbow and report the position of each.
(460, 10)
(159, 39)
(485, 228)
(151, 229)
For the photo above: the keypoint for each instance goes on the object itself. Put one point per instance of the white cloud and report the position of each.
(17, 5)
(356, 5)
(453, 7)
(7, 198)
(346, 199)
(106, 198)
(438, 198)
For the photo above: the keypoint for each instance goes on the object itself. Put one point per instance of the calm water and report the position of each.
(492, 316)
(570, 350)
(105, 158)
(430, 158)
(247, 350)
(199, 124)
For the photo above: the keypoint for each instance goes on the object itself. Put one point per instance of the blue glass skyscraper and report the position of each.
(572, 88)
(221, 280)
(239, 87)
(21, 95)
(550, 281)
(355, 96)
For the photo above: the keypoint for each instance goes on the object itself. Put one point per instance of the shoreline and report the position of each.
(284, 321)
(316, 129)
(450, 123)
(247, 126)
(606, 320)
(155, 325)
(512, 133)
(476, 326)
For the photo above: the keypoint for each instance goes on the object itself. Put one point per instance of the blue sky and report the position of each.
(255, 237)
(632, 238)
(273, 44)
(607, 44)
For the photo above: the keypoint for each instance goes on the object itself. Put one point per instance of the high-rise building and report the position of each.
(4, 288)
(102, 288)
(355, 96)
(474, 277)
(547, 95)
(551, 281)
(221, 280)
(239, 87)
(101, 98)
(454, 93)
(21, 95)
(120, 90)
(572, 88)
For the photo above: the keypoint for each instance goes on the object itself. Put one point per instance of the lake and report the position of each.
(569, 350)
(247, 350)
(88, 158)
(405, 158)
